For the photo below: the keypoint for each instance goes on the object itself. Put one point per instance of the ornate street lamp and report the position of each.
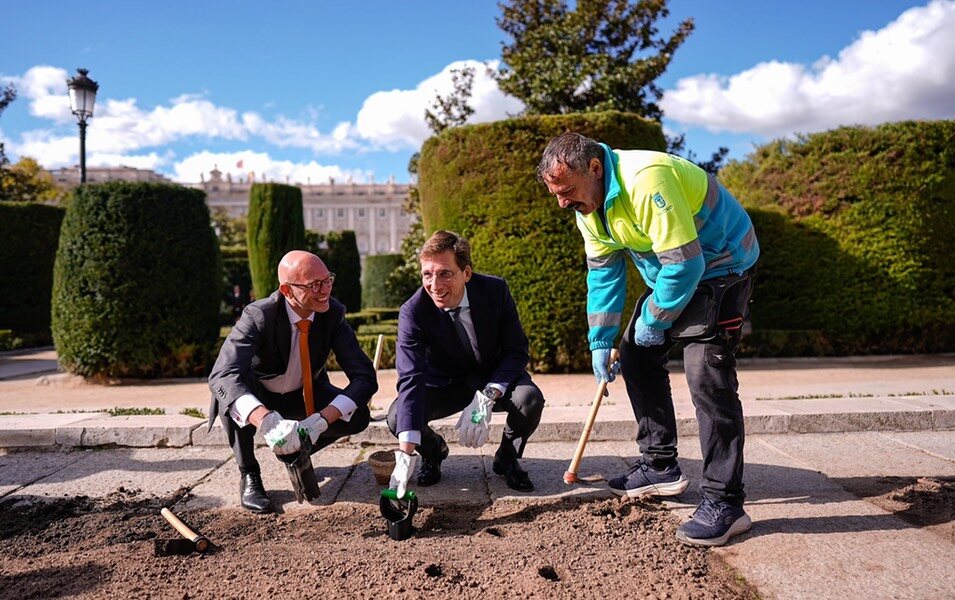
(82, 97)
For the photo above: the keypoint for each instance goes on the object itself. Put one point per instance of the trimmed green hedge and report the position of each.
(480, 181)
(342, 258)
(375, 291)
(855, 227)
(275, 227)
(29, 233)
(136, 283)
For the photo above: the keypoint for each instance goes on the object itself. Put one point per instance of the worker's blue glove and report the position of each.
(646, 336)
(602, 371)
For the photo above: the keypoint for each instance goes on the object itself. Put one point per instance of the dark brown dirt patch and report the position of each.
(568, 548)
(927, 502)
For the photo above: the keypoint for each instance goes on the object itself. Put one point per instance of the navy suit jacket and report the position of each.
(430, 354)
(259, 345)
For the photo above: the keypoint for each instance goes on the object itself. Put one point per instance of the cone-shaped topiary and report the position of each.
(275, 227)
(136, 282)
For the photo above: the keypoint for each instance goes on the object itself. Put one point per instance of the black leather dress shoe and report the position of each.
(430, 472)
(515, 477)
(253, 495)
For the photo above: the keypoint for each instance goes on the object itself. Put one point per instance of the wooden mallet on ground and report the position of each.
(198, 543)
(570, 476)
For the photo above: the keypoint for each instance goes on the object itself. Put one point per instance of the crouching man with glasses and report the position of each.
(460, 349)
(270, 375)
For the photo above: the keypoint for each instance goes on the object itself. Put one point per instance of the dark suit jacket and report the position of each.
(430, 354)
(259, 345)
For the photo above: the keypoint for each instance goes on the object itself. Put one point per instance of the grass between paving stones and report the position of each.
(941, 392)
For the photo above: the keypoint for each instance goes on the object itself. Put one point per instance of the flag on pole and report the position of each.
(238, 165)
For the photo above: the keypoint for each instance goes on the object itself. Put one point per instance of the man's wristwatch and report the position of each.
(492, 392)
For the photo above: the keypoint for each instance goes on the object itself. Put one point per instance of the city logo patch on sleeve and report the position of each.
(659, 201)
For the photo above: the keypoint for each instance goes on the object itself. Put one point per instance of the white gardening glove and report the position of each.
(404, 467)
(280, 434)
(474, 424)
(313, 426)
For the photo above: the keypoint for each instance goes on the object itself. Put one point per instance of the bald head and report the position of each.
(295, 263)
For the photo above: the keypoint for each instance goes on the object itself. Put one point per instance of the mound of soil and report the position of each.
(80, 547)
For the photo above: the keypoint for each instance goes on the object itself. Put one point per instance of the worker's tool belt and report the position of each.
(700, 319)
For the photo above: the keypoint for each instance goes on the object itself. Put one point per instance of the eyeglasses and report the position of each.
(318, 285)
(442, 275)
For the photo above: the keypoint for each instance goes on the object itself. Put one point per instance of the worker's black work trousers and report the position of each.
(710, 366)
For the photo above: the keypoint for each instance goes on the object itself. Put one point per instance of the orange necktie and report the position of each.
(303, 327)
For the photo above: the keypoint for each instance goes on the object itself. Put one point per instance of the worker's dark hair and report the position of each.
(571, 149)
(443, 241)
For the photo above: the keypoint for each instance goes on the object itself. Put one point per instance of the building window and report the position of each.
(320, 212)
(381, 213)
(362, 246)
(361, 212)
(341, 213)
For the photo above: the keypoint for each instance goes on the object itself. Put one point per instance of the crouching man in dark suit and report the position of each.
(257, 381)
(460, 347)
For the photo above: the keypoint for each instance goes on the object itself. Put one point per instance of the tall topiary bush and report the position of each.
(480, 181)
(342, 258)
(375, 291)
(29, 233)
(137, 282)
(275, 227)
(855, 227)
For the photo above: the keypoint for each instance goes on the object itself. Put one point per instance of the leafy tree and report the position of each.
(602, 55)
(452, 110)
(27, 181)
(230, 230)
(8, 95)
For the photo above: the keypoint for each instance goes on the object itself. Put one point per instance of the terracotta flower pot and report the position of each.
(382, 464)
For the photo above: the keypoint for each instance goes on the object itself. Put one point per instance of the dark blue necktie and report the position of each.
(455, 315)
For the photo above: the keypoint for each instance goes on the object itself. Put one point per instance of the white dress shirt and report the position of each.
(291, 380)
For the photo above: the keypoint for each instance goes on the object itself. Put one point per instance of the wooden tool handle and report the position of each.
(570, 476)
(378, 347)
(201, 543)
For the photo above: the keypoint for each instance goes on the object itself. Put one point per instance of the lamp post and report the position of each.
(82, 97)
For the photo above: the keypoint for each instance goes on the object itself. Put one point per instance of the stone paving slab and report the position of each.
(889, 457)
(20, 469)
(936, 443)
(463, 480)
(147, 471)
(810, 526)
(546, 464)
(333, 466)
(140, 431)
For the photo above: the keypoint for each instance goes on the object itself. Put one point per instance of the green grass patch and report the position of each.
(192, 412)
(134, 411)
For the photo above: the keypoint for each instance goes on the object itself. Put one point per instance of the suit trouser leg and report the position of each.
(711, 374)
(524, 405)
(523, 402)
(242, 441)
(647, 380)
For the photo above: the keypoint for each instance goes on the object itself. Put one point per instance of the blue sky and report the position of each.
(312, 90)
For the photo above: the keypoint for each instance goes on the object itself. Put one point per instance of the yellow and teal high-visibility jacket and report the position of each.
(678, 225)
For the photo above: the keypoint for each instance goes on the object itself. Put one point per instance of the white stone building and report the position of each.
(372, 210)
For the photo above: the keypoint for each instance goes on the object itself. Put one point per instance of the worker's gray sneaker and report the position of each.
(713, 524)
(644, 480)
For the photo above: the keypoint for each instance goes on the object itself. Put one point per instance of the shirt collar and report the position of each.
(611, 187)
(293, 317)
(463, 304)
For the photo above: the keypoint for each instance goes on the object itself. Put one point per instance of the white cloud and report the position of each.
(905, 70)
(194, 167)
(395, 119)
(45, 87)
(151, 161)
